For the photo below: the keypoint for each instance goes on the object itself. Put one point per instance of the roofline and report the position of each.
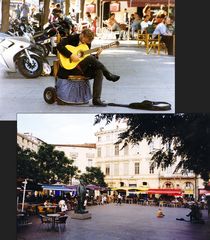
(85, 145)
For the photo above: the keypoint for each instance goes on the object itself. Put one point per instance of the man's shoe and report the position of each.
(98, 102)
(111, 77)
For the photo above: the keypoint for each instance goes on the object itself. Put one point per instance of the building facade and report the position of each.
(82, 154)
(27, 140)
(129, 169)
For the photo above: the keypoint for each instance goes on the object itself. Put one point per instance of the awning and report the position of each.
(203, 191)
(172, 192)
(56, 188)
(93, 187)
(188, 191)
(207, 187)
(131, 189)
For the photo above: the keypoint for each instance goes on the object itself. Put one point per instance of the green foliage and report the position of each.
(47, 165)
(95, 176)
(189, 134)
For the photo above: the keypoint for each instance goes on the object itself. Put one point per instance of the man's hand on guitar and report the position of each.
(99, 52)
(74, 58)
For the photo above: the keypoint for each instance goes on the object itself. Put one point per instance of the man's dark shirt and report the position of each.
(70, 40)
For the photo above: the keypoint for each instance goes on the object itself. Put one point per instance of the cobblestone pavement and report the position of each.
(125, 222)
(143, 77)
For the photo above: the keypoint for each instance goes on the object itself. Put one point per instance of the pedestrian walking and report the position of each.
(119, 199)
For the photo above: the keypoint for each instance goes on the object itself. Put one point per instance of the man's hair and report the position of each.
(162, 15)
(88, 33)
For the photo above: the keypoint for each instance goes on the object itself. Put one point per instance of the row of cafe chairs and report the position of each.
(150, 43)
(47, 222)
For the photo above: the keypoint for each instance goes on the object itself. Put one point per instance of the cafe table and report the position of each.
(53, 216)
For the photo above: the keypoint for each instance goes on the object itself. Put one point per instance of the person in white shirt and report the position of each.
(62, 205)
(146, 23)
(119, 199)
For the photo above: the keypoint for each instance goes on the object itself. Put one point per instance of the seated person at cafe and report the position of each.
(62, 205)
(145, 24)
(113, 25)
(136, 24)
(47, 203)
(166, 35)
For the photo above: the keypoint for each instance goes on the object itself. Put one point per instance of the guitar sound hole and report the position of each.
(80, 54)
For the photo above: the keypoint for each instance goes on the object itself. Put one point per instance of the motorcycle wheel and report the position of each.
(29, 70)
(49, 95)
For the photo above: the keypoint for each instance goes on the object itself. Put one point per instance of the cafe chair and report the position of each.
(141, 39)
(155, 44)
(61, 222)
(45, 221)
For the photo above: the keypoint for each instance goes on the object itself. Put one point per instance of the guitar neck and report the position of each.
(92, 50)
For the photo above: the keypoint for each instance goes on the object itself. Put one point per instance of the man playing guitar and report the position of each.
(90, 66)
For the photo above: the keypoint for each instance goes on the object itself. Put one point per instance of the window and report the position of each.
(108, 138)
(126, 150)
(125, 166)
(116, 169)
(90, 162)
(107, 171)
(132, 185)
(99, 139)
(116, 150)
(144, 183)
(169, 185)
(137, 168)
(108, 151)
(151, 170)
(99, 152)
(122, 184)
(188, 185)
(73, 155)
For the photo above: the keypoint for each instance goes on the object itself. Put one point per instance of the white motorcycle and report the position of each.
(15, 54)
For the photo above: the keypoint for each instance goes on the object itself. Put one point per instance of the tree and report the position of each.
(46, 166)
(27, 166)
(5, 15)
(56, 166)
(94, 176)
(187, 136)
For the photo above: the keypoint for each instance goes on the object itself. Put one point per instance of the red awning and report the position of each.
(203, 191)
(165, 191)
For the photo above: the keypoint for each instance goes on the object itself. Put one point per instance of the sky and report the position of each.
(60, 128)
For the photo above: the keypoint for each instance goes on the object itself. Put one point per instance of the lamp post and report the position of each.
(24, 193)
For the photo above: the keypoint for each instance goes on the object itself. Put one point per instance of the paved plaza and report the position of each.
(143, 77)
(125, 222)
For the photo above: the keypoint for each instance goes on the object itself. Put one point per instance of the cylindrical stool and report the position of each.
(74, 90)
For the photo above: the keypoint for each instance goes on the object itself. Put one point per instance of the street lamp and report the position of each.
(24, 193)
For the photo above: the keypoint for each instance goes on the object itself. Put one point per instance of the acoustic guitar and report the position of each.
(82, 51)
